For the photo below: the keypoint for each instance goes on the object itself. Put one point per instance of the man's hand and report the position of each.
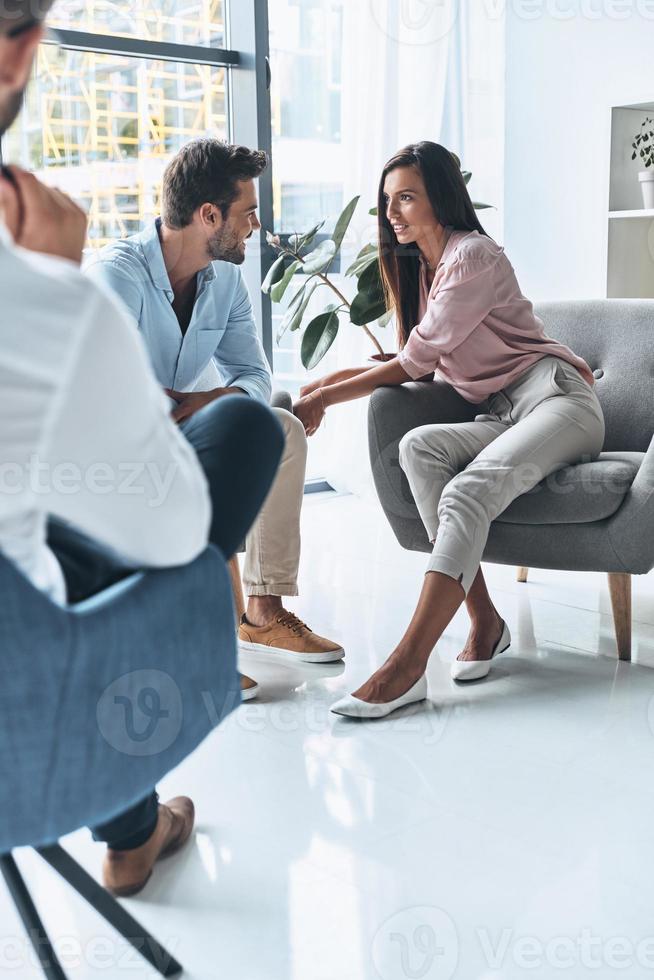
(190, 402)
(40, 218)
(310, 410)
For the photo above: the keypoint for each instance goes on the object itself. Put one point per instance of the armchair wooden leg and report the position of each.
(620, 589)
(237, 588)
(522, 574)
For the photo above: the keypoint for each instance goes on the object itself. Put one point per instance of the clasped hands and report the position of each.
(310, 408)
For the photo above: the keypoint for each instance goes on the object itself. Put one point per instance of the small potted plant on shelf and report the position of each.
(299, 257)
(643, 147)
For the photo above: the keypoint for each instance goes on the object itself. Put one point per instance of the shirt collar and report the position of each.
(453, 239)
(151, 245)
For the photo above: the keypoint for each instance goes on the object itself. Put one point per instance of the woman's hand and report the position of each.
(329, 379)
(310, 410)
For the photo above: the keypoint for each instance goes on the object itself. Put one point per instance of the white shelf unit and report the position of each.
(630, 252)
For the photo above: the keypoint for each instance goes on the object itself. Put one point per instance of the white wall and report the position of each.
(562, 75)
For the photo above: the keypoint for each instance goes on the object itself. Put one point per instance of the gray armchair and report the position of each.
(595, 516)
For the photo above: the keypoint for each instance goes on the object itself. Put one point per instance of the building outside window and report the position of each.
(103, 126)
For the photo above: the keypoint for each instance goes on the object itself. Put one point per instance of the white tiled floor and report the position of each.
(502, 831)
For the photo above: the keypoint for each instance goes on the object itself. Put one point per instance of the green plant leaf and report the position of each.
(478, 206)
(308, 237)
(278, 290)
(275, 273)
(368, 254)
(343, 222)
(370, 280)
(318, 337)
(384, 320)
(466, 174)
(365, 309)
(320, 257)
(293, 317)
(369, 303)
(373, 212)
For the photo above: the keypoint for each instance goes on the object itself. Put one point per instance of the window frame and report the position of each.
(247, 65)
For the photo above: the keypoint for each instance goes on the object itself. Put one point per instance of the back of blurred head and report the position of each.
(20, 33)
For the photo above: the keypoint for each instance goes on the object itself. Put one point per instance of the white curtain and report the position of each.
(412, 70)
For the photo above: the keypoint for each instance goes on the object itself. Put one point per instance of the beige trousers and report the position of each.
(272, 548)
(463, 475)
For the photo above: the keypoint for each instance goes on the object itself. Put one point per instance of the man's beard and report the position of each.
(226, 247)
(9, 110)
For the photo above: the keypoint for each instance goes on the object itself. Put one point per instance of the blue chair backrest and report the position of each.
(99, 701)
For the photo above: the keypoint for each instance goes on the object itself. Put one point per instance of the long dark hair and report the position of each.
(451, 204)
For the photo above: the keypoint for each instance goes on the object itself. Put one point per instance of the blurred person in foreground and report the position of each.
(76, 388)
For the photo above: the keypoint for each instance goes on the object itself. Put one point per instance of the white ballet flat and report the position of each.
(353, 707)
(474, 670)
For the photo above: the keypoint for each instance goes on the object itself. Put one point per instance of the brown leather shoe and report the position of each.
(127, 872)
(249, 687)
(288, 637)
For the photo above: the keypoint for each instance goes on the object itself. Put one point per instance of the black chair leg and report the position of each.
(109, 909)
(31, 919)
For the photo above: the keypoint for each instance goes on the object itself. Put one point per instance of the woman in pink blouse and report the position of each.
(460, 312)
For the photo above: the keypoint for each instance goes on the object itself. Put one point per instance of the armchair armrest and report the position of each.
(281, 399)
(631, 529)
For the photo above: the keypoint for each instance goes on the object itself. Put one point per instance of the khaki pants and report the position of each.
(272, 548)
(462, 476)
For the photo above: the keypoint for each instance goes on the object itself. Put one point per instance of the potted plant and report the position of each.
(643, 147)
(298, 256)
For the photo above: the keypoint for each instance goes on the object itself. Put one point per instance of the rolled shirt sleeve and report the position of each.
(462, 295)
(240, 356)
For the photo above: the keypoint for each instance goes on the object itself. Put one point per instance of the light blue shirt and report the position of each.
(221, 328)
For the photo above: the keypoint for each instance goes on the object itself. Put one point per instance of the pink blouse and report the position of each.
(476, 328)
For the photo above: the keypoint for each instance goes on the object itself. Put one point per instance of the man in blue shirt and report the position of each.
(180, 280)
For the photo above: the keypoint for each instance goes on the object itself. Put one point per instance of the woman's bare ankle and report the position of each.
(488, 619)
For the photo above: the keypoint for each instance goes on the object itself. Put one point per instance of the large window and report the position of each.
(103, 126)
(306, 39)
(199, 22)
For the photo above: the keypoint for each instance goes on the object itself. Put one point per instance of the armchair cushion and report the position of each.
(577, 494)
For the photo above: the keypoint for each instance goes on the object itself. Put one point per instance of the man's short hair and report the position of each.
(19, 15)
(206, 171)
